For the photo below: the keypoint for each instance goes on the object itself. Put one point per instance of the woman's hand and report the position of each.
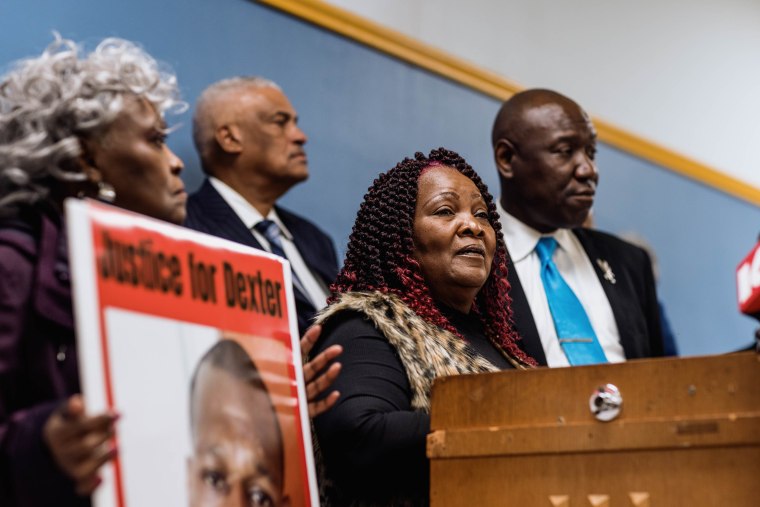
(80, 444)
(317, 381)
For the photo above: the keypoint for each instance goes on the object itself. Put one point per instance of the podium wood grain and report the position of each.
(688, 434)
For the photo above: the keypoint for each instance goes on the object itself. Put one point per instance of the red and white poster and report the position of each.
(193, 340)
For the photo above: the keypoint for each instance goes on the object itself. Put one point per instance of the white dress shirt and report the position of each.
(315, 289)
(577, 270)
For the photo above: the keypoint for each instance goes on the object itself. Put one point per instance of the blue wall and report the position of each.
(365, 111)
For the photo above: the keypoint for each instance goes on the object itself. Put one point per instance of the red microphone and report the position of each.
(748, 283)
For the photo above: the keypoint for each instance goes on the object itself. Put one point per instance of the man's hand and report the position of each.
(318, 381)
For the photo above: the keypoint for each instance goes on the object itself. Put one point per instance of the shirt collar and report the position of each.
(249, 215)
(521, 239)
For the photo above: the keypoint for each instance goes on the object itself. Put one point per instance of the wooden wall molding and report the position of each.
(410, 50)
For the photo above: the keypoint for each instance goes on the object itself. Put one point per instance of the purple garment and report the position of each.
(38, 364)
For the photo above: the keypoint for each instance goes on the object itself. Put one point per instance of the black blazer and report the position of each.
(633, 297)
(208, 212)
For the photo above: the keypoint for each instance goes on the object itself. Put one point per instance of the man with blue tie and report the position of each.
(579, 296)
(252, 151)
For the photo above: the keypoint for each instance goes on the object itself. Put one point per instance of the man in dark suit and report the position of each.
(544, 147)
(252, 151)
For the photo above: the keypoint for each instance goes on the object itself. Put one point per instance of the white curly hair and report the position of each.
(49, 103)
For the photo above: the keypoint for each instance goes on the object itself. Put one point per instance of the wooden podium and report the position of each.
(688, 434)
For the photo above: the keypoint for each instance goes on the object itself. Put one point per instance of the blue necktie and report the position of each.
(574, 331)
(271, 231)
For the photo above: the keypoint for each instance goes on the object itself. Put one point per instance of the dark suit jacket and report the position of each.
(38, 357)
(632, 297)
(208, 212)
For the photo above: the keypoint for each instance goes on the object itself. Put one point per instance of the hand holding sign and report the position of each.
(316, 382)
(80, 444)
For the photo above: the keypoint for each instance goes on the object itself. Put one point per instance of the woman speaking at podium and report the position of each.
(422, 294)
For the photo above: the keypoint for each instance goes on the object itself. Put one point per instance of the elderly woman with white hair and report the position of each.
(76, 125)
(71, 124)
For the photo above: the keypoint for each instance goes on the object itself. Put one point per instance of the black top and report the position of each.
(373, 442)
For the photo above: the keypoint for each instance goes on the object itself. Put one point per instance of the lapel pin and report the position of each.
(606, 270)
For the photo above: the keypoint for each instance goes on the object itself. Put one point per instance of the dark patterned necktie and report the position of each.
(271, 231)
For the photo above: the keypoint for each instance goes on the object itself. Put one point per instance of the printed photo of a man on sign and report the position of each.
(193, 341)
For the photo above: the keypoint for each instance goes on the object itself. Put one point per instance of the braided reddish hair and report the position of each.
(380, 251)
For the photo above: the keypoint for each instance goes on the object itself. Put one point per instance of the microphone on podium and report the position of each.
(748, 283)
(748, 287)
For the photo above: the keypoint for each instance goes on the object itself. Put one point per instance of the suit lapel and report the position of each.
(523, 317)
(306, 248)
(613, 291)
(222, 219)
